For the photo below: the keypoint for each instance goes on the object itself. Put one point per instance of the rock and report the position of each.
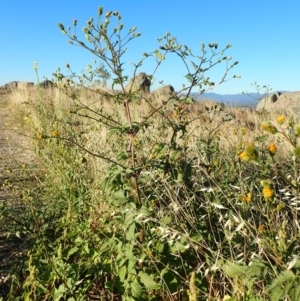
(141, 82)
(25, 85)
(10, 85)
(46, 84)
(17, 85)
(288, 102)
(267, 101)
(165, 91)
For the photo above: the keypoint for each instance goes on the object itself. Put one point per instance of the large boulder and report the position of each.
(17, 85)
(288, 102)
(163, 92)
(25, 85)
(46, 84)
(10, 85)
(267, 102)
(141, 82)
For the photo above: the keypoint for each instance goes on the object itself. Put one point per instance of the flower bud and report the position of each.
(61, 26)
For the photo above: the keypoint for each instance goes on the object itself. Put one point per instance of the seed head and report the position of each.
(297, 129)
(100, 10)
(268, 127)
(297, 151)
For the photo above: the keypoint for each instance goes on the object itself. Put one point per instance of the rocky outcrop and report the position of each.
(141, 82)
(46, 84)
(163, 92)
(267, 101)
(17, 85)
(25, 85)
(10, 85)
(289, 102)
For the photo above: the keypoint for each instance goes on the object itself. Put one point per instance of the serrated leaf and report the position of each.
(149, 283)
(295, 293)
(276, 294)
(136, 289)
(285, 276)
(59, 293)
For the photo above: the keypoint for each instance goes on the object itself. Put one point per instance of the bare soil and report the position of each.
(16, 156)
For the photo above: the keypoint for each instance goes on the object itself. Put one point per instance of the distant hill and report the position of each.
(238, 100)
(233, 100)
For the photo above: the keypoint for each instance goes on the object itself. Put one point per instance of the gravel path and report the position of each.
(15, 153)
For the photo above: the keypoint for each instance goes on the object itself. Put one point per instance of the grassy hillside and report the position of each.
(208, 210)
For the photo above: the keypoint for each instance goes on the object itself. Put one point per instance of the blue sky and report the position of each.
(265, 36)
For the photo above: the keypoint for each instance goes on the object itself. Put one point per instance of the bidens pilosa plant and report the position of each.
(151, 196)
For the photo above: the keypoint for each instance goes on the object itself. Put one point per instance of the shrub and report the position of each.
(141, 198)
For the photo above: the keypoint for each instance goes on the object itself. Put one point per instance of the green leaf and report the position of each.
(113, 131)
(72, 251)
(276, 294)
(130, 234)
(136, 289)
(285, 276)
(233, 269)
(295, 293)
(149, 283)
(119, 194)
(59, 293)
(122, 272)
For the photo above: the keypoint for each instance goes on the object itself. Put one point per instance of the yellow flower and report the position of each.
(249, 197)
(244, 156)
(268, 193)
(280, 120)
(54, 133)
(246, 198)
(41, 136)
(250, 152)
(272, 149)
(261, 228)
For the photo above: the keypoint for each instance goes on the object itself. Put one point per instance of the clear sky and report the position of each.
(265, 36)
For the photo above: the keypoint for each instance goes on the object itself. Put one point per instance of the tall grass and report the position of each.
(155, 197)
(211, 230)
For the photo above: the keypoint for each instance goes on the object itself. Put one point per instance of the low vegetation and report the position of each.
(155, 198)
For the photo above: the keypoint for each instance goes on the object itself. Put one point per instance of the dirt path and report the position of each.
(16, 156)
